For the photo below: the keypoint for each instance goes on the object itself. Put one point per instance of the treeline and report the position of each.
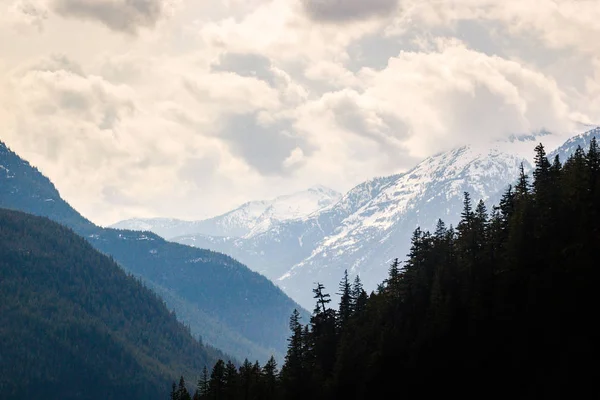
(226, 381)
(502, 305)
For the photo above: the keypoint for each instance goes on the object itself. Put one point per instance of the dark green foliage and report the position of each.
(502, 307)
(73, 325)
(345, 307)
(270, 384)
(231, 307)
(218, 382)
(294, 372)
(203, 385)
(180, 391)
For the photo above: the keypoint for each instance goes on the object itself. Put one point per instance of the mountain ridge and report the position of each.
(73, 322)
(249, 219)
(230, 306)
(373, 222)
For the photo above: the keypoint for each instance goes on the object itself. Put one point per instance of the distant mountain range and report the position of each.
(372, 223)
(231, 307)
(250, 219)
(74, 325)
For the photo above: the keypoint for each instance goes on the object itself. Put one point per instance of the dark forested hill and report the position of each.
(74, 325)
(503, 305)
(237, 310)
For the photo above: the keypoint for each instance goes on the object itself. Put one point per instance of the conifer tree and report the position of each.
(359, 296)
(542, 166)
(217, 381)
(293, 373)
(481, 220)
(202, 388)
(231, 381)
(182, 392)
(322, 299)
(440, 230)
(269, 378)
(345, 307)
(522, 187)
(323, 338)
(245, 374)
(467, 212)
(174, 393)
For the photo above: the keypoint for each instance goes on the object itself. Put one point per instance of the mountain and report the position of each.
(372, 223)
(568, 148)
(247, 220)
(512, 294)
(74, 325)
(231, 307)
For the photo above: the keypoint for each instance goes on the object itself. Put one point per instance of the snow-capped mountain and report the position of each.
(569, 147)
(248, 220)
(372, 223)
(368, 239)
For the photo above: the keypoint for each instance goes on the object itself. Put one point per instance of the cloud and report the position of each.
(281, 30)
(455, 94)
(558, 23)
(26, 14)
(271, 147)
(120, 15)
(361, 115)
(57, 86)
(248, 65)
(233, 101)
(347, 10)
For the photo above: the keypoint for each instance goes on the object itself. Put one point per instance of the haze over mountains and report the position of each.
(247, 220)
(372, 223)
(79, 313)
(231, 307)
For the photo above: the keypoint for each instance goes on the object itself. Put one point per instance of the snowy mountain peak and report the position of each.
(373, 222)
(569, 147)
(249, 219)
(385, 210)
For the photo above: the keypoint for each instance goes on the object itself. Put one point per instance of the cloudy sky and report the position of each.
(186, 108)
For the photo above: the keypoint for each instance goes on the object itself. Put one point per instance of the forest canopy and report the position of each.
(501, 305)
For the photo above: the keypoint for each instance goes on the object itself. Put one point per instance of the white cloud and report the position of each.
(214, 103)
(25, 15)
(456, 94)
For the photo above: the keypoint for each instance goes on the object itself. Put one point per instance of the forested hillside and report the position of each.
(501, 306)
(231, 307)
(73, 325)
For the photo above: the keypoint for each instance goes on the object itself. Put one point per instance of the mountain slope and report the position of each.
(247, 220)
(231, 307)
(73, 325)
(373, 222)
(568, 148)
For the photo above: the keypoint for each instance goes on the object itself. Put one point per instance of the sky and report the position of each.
(188, 108)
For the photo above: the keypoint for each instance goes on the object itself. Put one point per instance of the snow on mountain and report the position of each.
(571, 145)
(369, 238)
(248, 220)
(373, 223)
